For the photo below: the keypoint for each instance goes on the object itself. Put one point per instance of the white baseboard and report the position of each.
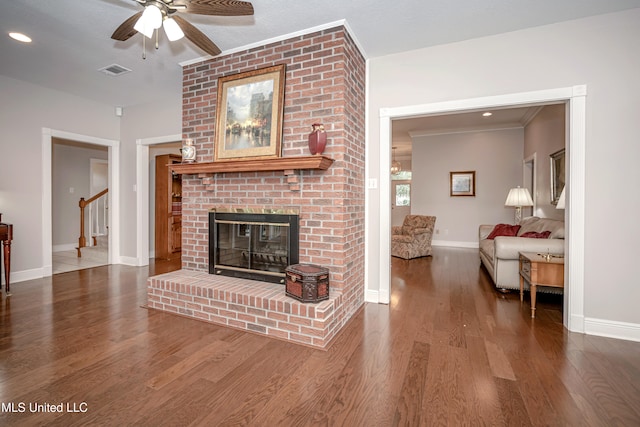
(133, 261)
(371, 296)
(376, 297)
(455, 244)
(612, 329)
(575, 323)
(24, 275)
(64, 247)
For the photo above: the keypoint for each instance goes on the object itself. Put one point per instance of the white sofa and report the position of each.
(500, 255)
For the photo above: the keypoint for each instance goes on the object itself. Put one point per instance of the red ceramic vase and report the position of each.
(317, 139)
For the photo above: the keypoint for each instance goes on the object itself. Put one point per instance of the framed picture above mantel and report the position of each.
(249, 114)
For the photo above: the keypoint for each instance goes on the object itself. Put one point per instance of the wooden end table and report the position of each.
(540, 270)
(6, 235)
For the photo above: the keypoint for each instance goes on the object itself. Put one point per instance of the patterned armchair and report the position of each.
(413, 238)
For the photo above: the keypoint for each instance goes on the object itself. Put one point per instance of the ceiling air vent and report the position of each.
(114, 70)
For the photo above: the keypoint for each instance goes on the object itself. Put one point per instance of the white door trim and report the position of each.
(142, 187)
(113, 147)
(575, 97)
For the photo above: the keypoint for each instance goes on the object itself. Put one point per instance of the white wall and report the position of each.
(599, 52)
(545, 135)
(495, 156)
(32, 108)
(70, 169)
(27, 109)
(139, 122)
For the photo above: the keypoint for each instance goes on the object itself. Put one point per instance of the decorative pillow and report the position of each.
(504, 230)
(535, 235)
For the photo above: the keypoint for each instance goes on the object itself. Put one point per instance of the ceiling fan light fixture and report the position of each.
(153, 16)
(172, 29)
(150, 20)
(159, 12)
(142, 27)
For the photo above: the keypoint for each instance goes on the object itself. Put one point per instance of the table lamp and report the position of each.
(518, 197)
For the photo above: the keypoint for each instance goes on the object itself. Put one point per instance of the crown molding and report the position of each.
(334, 24)
(422, 133)
(531, 114)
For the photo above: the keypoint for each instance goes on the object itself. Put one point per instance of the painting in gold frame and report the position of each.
(249, 114)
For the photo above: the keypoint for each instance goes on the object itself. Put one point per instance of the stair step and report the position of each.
(102, 241)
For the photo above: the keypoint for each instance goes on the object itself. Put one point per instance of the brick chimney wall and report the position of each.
(324, 83)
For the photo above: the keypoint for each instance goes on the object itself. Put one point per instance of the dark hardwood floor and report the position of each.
(447, 350)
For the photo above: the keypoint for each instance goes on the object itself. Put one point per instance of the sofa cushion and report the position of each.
(530, 224)
(536, 235)
(504, 230)
(539, 225)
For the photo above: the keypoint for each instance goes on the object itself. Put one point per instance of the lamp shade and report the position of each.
(519, 197)
(561, 201)
(173, 30)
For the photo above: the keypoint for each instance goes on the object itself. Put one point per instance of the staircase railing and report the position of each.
(97, 218)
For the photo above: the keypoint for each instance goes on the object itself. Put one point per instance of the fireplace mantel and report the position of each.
(286, 164)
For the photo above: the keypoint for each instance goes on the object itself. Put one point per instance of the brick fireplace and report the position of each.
(325, 83)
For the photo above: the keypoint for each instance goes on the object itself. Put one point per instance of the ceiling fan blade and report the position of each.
(197, 37)
(216, 7)
(125, 30)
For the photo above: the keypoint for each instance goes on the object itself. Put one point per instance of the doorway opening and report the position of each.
(143, 209)
(575, 99)
(113, 159)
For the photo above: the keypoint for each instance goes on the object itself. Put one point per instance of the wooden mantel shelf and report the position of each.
(279, 164)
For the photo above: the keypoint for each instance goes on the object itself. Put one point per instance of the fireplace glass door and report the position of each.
(255, 246)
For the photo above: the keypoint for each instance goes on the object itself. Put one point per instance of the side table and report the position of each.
(6, 236)
(539, 270)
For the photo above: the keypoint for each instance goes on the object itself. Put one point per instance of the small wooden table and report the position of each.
(6, 236)
(539, 270)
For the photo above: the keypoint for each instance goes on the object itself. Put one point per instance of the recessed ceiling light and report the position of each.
(20, 37)
(487, 114)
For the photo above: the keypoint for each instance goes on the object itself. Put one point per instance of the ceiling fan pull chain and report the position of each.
(144, 52)
(157, 37)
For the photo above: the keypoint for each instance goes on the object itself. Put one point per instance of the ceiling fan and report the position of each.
(158, 13)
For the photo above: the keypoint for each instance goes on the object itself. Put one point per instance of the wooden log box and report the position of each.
(307, 282)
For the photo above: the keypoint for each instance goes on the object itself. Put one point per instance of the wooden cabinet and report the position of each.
(168, 233)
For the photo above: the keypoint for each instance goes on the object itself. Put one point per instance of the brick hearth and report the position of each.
(247, 304)
(324, 83)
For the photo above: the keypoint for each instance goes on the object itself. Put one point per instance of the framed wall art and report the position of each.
(249, 114)
(557, 175)
(462, 183)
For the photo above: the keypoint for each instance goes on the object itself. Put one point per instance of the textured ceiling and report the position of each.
(71, 38)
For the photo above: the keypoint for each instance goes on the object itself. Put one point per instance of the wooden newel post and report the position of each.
(82, 240)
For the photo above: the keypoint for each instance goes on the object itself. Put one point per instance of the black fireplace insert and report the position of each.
(256, 246)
